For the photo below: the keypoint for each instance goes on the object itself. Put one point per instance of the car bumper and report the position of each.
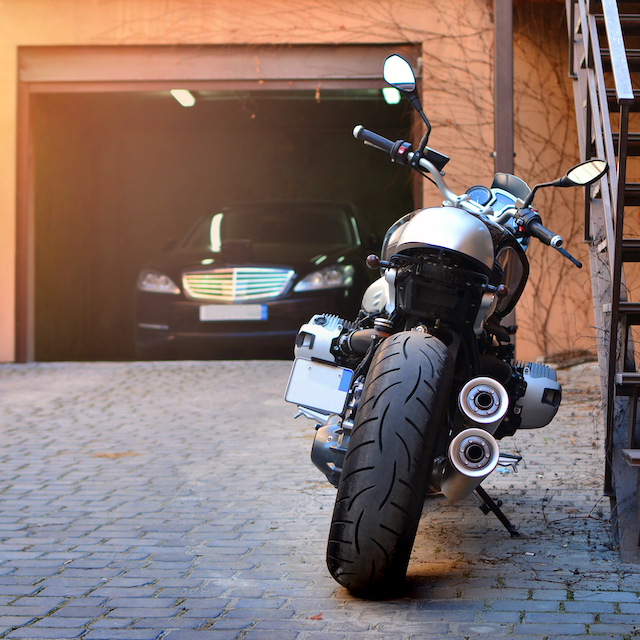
(175, 324)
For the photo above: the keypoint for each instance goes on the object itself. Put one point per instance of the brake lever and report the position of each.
(567, 255)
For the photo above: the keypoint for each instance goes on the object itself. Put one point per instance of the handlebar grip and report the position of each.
(384, 144)
(544, 235)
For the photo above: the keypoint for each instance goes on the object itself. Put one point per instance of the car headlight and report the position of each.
(156, 283)
(327, 278)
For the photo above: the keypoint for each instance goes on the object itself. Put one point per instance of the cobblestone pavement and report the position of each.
(176, 500)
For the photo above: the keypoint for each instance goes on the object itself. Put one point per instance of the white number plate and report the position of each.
(226, 312)
(318, 386)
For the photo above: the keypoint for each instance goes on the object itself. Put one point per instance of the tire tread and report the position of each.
(382, 488)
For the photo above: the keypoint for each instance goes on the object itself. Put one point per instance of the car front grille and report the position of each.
(236, 285)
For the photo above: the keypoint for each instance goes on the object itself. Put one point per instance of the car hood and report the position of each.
(303, 259)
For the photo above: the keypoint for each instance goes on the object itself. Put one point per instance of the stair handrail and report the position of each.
(592, 100)
(619, 64)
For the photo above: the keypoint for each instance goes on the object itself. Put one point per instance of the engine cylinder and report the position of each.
(484, 403)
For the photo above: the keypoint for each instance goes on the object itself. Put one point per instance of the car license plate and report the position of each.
(227, 312)
(318, 386)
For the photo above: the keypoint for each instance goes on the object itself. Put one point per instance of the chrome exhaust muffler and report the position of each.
(473, 454)
(484, 403)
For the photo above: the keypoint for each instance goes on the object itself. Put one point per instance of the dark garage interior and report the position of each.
(119, 174)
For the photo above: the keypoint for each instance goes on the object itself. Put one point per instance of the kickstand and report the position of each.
(490, 505)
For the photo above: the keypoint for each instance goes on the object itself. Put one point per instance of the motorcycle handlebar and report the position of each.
(400, 152)
(530, 221)
(537, 230)
(380, 142)
(544, 235)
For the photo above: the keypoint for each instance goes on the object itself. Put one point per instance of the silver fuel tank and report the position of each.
(446, 227)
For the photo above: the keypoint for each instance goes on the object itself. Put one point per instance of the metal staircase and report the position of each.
(601, 68)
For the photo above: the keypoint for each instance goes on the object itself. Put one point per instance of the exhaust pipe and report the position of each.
(473, 454)
(484, 403)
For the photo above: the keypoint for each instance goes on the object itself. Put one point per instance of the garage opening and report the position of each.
(116, 175)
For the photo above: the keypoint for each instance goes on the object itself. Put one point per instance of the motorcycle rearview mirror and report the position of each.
(582, 175)
(398, 73)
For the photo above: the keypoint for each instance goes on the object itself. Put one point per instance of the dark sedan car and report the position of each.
(247, 276)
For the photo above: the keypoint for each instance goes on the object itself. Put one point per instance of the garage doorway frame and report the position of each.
(100, 69)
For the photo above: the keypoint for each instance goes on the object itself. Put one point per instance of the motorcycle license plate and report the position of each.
(227, 312)
(319, 386)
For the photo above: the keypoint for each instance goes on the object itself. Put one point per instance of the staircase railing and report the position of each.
(604, 204)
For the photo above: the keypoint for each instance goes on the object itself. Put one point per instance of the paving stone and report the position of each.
(126, 593)
(10, 621)
(142, 534)
(123, 634)
(430, 628)
(503, 617)
(611, 629)
(484, 629)
(111, 623)
(40, 600)
(434, 637)
(259, 603)
(550, 606)
(549, 629)
(560, 618)
(441, 616)
(151, 612)
(231, 623)
(19, 590)
(32, 610)
(173, 623)
(254, 614)
(65, 591)
(628, 619)
(549, 594)
(593, 607)
(46, 634)
(265, 634)
(311, 626)
(140, 602)
(50, 621)
(77, 610)
(606, 596)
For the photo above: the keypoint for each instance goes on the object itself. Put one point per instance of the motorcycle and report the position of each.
(413, 396)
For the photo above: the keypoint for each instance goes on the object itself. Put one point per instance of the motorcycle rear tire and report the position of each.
(387, 467)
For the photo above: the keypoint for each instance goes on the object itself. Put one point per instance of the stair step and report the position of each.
(631, 310)
(613, 100)
(631, 457)
(630, 23)
(632, 194)
(633, 143)
(631, 250)
(624, 8)
(627, 383)
(633, 59)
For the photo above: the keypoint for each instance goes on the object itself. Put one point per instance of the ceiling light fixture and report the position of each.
(184, 97)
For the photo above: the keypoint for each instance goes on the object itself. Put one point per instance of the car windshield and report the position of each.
(307, 224)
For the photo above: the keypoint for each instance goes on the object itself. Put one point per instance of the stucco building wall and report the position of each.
(456, 39)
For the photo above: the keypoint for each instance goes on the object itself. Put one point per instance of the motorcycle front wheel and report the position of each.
(385, 475)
